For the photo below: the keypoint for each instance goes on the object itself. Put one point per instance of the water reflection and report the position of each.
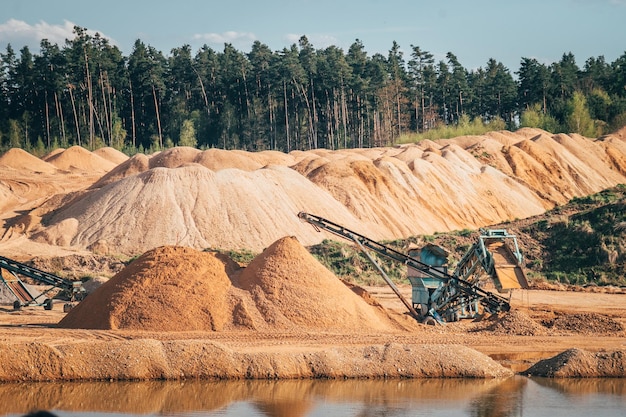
(271, 398)
(585, 386)
(462, 397)
(504, 400)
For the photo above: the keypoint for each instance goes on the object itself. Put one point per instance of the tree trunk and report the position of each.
(286, 116)
(315, 121)
(272, 121)
(132, 113)
(106, 110)
(90, 101)
(158, 116)
(75, 115)
(47, 118)
(309, 112)
(398, 118)
(59, 110)
(204, 96)
(423, 111)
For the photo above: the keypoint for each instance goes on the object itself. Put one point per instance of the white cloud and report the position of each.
(19, 33)
(219, 39)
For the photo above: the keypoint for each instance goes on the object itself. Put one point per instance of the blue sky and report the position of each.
(474, 30)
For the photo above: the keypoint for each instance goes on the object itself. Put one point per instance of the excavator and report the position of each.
(26, 296)
(439, 296)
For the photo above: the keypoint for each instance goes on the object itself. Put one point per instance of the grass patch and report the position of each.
(465, 127)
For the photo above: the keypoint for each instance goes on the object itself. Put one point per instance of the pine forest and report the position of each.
(87, 93)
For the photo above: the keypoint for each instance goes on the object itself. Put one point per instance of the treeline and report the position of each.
(88, 93)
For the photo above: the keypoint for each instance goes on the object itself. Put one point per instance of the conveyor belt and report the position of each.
(20, 291)
(509, 274)
(34, 273)
(457, 287)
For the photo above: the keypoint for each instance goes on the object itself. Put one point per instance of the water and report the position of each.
(518, 396)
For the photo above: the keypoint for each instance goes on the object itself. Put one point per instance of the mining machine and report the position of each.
(439, 296)
(24, 295)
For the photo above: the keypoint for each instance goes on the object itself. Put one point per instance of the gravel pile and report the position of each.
(578, 363)
(585, 323)
(514, 322)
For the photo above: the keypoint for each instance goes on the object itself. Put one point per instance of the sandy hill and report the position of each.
(237, 199)
(111, 154)
(284, 288)
(213, 159)
(22, 160)
(193, 206)
(78, 158)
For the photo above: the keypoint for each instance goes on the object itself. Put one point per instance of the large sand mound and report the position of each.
(194, 206)
(167, 289)
(77, 158)
(20, 159)
(289, 286)
(111, 154)
(181, 289)
(214, 159)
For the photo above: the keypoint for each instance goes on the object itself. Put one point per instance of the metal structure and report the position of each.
(437, 295)
(24, 295)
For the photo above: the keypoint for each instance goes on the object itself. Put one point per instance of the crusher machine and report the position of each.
(437, 295)
(24, 295)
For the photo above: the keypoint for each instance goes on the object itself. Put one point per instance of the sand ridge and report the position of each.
(236, 199)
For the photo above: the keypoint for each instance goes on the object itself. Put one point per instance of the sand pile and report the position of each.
(236, 199)
(111, 154)
(194, 206)
(439, 189)
(20, 159)
(134, 165)
(271, 157)
(79, 158)
(585, 323)
(578, 363)
(181, 289)
(174, 157)
(167, 289)
(218, 159)
(290, 287)
(213, 159)
(616, 152)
